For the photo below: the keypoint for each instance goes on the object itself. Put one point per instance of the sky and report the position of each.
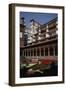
(42, 18)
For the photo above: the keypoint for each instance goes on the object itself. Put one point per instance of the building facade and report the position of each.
(42, 41)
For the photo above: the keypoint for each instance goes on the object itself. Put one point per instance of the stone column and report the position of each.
(47, 32)
(44, 50)
(36, 53)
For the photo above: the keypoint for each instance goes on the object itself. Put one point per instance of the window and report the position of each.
(26, 52)
(38, 52)
(51, 51)
(31, 52)
(56, 50)
(46, 51)
(34, 52)
(42, 52)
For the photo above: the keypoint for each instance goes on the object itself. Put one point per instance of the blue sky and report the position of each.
(39, 17)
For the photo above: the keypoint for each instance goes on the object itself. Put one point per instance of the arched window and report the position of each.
(31, 52)
(26, 52)
(46, 51)
(56, 50)
(51, 51)
(34, 52)
(38, 52)
(42, 52)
